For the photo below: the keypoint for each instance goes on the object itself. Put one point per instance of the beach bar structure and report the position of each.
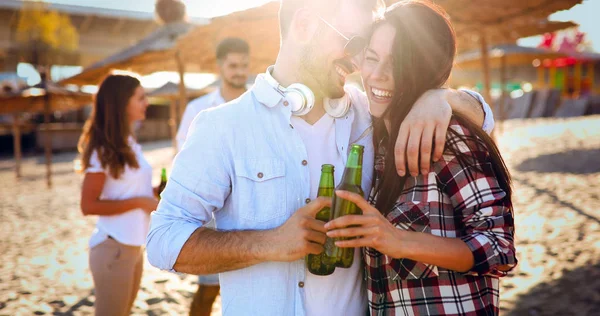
(488, 22)
(156, 52)
(574, 75)
(40, 100)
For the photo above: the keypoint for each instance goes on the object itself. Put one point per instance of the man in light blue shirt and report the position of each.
(232, 56)
(245, 163)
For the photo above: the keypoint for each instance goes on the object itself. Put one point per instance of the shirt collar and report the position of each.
(265, 90)
(217, 98)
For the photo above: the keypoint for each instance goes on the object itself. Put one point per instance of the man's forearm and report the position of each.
(209, 251)
(467, 105)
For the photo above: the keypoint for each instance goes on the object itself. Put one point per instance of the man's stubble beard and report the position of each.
(317, 74)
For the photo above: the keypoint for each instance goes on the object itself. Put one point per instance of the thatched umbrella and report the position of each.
(39, 100)
(170, 90)
(151, 54)
(478, 25)
(259, 26)
(488, 22)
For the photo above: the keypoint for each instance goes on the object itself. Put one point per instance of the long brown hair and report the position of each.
(424, 49)
(108, 129)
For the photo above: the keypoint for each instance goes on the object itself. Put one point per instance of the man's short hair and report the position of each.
(288, 8)
(232, 45)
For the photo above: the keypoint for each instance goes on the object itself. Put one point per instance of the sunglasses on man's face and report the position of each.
(354, 45)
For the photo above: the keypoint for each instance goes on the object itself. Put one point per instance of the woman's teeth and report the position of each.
(381, 93)
(341, 71)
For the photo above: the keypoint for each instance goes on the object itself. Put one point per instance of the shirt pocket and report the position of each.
(261, 188)
(411, 216)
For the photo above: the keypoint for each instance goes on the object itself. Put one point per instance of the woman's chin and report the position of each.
(376, 111)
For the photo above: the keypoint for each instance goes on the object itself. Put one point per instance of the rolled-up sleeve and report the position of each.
(198, 185)
(485, 209)
(488, 115)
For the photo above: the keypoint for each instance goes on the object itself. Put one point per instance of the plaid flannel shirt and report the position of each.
(457, 199)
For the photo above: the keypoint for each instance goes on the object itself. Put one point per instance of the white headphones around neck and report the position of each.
(302, 99)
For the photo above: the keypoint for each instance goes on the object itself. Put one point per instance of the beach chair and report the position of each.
(520, 106)
(545, 103)
(572, 108)
(593, 106)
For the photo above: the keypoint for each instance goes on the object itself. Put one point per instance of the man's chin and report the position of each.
(336, 93)
(237, 85)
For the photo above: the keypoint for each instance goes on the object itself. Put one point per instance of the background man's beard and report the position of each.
(234, 84)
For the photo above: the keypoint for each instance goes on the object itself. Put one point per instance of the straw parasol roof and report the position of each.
(507, 33)
(258, 26)
(171, 90)
(500, 21)
(153, 53)
(31, 100)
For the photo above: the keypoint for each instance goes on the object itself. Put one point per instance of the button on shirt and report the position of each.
(217, 171)
(343, 292)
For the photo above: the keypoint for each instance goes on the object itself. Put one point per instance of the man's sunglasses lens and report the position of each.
(355, 46)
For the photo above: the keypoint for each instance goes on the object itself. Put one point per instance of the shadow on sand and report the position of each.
(584, 161)
(577, 292)
(73, 310)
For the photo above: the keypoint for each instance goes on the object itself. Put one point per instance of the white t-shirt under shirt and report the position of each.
(343, 292)
(131, 227)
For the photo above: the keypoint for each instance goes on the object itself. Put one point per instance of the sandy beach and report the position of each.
(555, 165)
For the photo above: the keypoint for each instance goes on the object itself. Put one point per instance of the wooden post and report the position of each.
(503, 81)
(485, 63)
(541, 71)
(182, 90)
(577, 79)
(590, 75)
(552, 74)
(173, 124)
(16, 131)
(48, 142)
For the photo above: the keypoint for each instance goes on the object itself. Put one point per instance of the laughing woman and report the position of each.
(435, 244)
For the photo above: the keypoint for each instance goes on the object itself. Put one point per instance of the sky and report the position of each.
(587, 15)
(195, 8)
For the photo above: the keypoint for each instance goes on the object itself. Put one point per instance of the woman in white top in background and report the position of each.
(117, 187)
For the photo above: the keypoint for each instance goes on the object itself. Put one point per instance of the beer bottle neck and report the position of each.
(353, 171)
(326, 183)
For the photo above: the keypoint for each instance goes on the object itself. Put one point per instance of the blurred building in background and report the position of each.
(102, 32)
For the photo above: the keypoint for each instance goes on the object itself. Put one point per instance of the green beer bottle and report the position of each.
(318, 264)
(351, 181)
(163, 181)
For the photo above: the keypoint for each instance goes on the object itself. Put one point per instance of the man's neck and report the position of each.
(230, 93)
(286, 73)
